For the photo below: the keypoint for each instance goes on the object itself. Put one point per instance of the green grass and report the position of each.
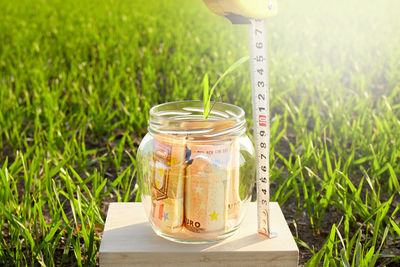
(77, 79)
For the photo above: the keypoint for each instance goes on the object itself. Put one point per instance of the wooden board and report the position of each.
(128, 240)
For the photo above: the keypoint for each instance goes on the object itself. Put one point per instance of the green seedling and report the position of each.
(207, 93)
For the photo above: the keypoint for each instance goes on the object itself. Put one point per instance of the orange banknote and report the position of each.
(168, 184)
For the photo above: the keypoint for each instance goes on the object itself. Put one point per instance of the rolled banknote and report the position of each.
(167, 184)
(207, 186)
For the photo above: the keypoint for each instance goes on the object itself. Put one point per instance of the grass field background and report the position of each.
(77, 79)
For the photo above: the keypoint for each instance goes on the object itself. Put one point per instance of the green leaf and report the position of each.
(393, 178)
(206, 91)
(357, 255)
(368, 256)
(344, 259)
(316, 259)
(206, 101)
(395, 227)
(50, 235)
(302, 243)
(97, 193)
(138, 196)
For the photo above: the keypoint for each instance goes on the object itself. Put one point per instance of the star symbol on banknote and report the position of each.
(198, 189)
(202, 206)
(214, 216)
(165, 216)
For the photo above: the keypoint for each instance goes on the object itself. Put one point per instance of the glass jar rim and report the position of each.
(186, 118)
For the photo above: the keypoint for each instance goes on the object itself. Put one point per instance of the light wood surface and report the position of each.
(128, 240)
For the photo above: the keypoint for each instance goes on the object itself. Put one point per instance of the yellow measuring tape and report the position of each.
(257, 9)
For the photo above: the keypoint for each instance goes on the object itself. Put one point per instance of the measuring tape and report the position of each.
(260, 99)
(253, 12)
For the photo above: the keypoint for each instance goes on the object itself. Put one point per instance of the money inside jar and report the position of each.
(195, 185)
(196, 176)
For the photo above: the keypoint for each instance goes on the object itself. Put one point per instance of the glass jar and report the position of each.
(196, 176)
